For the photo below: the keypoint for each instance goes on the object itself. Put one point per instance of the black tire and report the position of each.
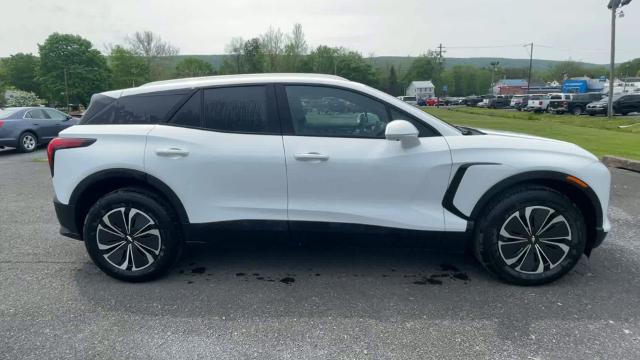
(27, 142)
(578, 110)
(507, 256)
(157, 246)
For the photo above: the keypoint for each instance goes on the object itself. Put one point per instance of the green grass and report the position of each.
(596, 134)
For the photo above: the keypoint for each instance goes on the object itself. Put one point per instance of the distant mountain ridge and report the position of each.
(403, 62)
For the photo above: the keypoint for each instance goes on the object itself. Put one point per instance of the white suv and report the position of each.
(154, 167)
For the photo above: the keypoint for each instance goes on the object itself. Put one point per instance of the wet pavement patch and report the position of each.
(429, 281)
(448, 267)
(461, 276)
(287, 280)
(198, 270)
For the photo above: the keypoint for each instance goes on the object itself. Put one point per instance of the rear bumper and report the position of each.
(67, 218)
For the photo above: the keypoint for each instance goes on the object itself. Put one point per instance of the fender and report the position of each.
(534, 176)
(142, 177)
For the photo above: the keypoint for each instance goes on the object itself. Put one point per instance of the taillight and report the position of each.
(1, 123)
(64, 143)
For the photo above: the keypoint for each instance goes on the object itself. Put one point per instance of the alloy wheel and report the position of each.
(28, 142)
(534, 239)
(128, 239)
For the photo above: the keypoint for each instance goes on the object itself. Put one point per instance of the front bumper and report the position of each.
(596, 110)
(67, 218)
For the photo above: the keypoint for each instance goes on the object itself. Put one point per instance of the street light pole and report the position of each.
(614, 8)
(614, 5)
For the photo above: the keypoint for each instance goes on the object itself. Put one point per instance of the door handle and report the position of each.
(310, 156)
(173, 152)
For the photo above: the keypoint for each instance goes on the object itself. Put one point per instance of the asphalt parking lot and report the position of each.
(300, 298)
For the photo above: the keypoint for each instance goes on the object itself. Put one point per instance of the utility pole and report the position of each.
(614, 5)
(530, 66)
(66, 90)
(494, 64)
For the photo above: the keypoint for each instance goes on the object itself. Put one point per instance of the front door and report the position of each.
(340, 167)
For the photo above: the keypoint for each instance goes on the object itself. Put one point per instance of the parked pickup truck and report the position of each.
(576, 105)
(536, 103)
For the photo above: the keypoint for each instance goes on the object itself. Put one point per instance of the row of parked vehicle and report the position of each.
(556, 103)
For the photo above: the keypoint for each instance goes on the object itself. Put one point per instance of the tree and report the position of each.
(24, 98)
(235, 48)
(272, 45)
(295, 49)
(425, 67)
(629, 68)
(153, 49)
(192, 67)
(392, 82)
(253, 56)
(71, 58)
(150, 45)
(21, 71)
(127, 68)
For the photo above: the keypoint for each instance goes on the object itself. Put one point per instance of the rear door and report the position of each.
(42, 124)
(222, 154)
(341, 169)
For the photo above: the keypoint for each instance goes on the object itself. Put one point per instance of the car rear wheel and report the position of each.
(27, 142)
(132, 235)
(530, 236)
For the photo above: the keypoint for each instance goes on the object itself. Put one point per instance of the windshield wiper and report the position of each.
(464, 130)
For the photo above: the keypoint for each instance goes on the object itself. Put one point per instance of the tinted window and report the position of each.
(98, 103)
(37, 114)
(325, 111)
(189, 113)
(238, 109)
(137, 109)
(55, 114)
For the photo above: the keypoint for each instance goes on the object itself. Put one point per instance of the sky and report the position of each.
(560, 29)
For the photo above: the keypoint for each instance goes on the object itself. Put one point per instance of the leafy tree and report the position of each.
(272, 44)
(425, 67)
(254, 59)
(393, 87)
(234, 48)
(24, 98)
(127, 68)
(295, 49)
(85, 68)
(322, 60)
(154, 50)
(630, 68)
(353, 66)
(192, 67)
(21, 71)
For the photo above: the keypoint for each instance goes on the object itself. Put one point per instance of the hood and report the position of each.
(538, 143)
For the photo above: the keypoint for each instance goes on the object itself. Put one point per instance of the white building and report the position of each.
(421, 89)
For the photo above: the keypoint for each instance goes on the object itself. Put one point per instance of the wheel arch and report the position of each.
(100, 183)
(584, 197)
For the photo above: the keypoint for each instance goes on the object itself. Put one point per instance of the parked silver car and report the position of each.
(25, 128)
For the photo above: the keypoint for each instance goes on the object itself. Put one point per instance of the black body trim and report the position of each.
(66, 215)
(450, 194)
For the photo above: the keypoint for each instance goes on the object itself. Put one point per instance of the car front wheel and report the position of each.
(132, 235)
(530, 236)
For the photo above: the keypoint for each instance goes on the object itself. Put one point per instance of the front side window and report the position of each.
(241, 109)
(325, 111)
(189, 113)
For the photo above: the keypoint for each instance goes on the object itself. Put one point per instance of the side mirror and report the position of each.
(400, 130)
(67, 118)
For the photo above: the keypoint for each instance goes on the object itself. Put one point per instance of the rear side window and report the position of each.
(138, 109)
(190, 113)
(98, 103)
(243, 109)
(37, 114)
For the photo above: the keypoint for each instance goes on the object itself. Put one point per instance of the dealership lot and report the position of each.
(291, 298)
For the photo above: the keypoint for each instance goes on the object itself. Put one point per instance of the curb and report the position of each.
(622, 163)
